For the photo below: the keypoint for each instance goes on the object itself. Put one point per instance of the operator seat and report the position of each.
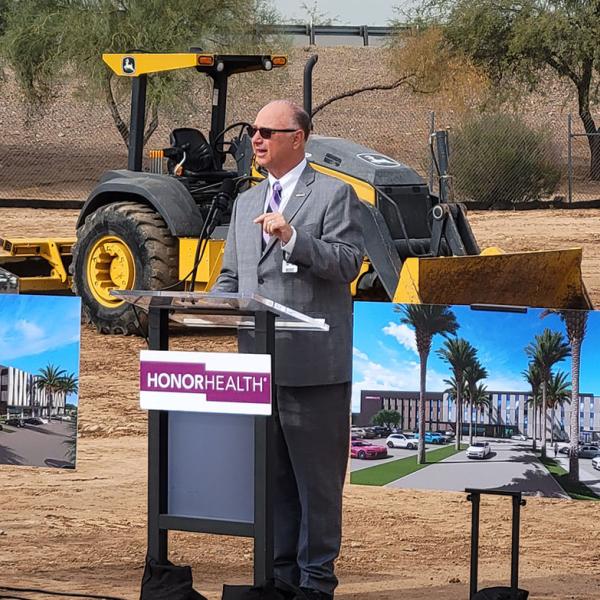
(199, 154)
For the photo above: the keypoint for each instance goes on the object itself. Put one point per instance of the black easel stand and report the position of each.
(496, 593)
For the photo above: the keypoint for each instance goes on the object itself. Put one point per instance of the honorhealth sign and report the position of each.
(209, 382)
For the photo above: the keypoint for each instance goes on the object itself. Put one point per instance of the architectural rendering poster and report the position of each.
(39, 380)
(511, 375)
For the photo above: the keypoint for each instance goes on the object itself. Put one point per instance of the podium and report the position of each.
(201, 476)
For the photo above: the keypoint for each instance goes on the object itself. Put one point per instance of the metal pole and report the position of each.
(137, 123)
(431, 132)
(264, 329)
(475, 499)
(570, 157)
(365, 34)
(158, 339)
(514, 565)
(308, 69)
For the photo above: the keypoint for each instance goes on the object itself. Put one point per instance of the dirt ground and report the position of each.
(84, 531)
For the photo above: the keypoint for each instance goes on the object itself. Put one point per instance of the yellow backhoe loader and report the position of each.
(166, 227)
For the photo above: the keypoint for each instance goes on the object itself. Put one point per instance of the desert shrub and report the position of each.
(499, 160)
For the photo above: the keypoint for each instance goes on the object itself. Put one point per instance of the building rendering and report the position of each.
(510, 413)
(21, 396)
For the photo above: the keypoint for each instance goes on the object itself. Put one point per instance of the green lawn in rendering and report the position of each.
(577, 491)
(396, 469)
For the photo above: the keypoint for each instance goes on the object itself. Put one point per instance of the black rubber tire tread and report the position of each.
(155, 253)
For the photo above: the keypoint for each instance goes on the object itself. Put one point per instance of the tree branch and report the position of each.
(114, 111)
(370, 88)
(151, 128)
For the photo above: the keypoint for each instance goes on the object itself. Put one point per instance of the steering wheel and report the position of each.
(242, 125)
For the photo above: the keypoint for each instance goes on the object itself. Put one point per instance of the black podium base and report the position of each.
(499, 593)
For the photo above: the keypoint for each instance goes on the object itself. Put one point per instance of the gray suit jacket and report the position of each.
(328, 252)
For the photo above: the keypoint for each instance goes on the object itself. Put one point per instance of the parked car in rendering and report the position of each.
(588, 451)
(35, 421)
(357, 432)
(434, 438)
(380, 431)
(15, 422)
(401, 440)
(370, 433)
(519, 437)
(478, 450)
(363, 450)
(596, 463)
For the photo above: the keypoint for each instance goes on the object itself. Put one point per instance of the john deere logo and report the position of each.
(379, 160)
(128, 65)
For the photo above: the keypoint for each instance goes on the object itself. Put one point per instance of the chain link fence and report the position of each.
(61, 153)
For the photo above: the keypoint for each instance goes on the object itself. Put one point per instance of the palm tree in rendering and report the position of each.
(459, 354)
(427, 321)
(474, 373)
(557, 394)
(576, 324)
(480, 399)
(534, 379)
(49, 379)
(69, 385)
(548, 349)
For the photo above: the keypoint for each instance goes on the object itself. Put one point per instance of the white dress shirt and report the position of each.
(288, 184)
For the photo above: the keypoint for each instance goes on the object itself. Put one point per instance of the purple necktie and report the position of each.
(274, 203)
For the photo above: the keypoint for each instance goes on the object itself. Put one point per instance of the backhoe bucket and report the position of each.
(546, 279)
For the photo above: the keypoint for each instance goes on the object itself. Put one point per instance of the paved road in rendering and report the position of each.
(511, 466)
(587, 473)
(37, 445)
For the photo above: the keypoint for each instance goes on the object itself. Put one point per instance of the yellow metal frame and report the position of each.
(157, 63)
(53, 251)
(210, 265)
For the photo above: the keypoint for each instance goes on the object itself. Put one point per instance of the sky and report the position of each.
(346, 12)
(36, 331)
(385, 355)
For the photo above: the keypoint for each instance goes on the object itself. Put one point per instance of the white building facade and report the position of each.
(21, 396)
(510, 413)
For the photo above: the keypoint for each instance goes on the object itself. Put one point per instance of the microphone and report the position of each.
(224, 197)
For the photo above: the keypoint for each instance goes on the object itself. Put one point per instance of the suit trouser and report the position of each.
(312, 437)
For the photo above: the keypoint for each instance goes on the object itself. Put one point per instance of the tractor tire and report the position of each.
(124, 245)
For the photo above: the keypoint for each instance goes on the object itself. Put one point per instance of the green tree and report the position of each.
(548, 349)
(69, 384)
(386, 418)
(480, 399)
(459, 354)
(427, 321)
(557, 394)
(49, 379)
(45, 41)
(534, 378)
(518, 42)
(474, 373)
(576, 324)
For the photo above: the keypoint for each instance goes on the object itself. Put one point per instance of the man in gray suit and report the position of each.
(296, 238)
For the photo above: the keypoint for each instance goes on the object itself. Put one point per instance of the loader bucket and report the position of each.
(547, 279)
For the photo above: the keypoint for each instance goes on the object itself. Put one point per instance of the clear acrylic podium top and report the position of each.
(218, 309)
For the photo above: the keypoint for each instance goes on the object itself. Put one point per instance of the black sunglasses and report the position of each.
(267, 132)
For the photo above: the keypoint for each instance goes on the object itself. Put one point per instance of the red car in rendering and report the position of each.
(362, 449)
